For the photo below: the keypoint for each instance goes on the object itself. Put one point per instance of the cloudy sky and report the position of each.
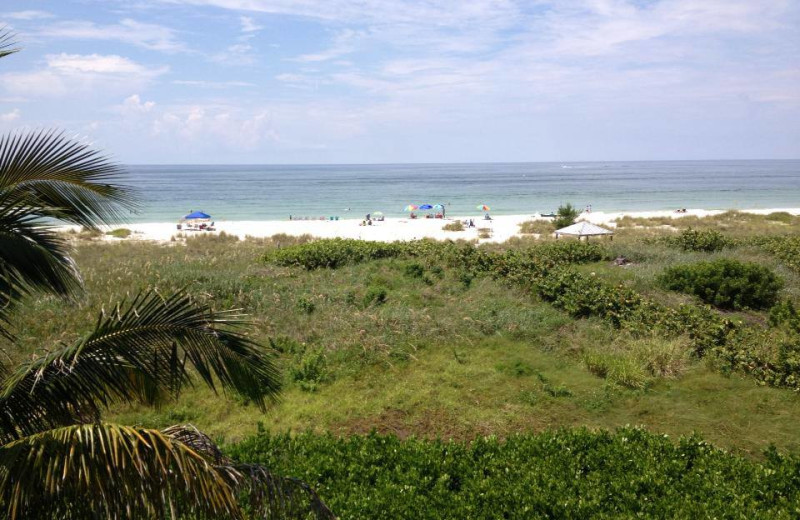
(363, 81)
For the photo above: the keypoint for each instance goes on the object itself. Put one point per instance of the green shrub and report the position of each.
(565, 216)
(785, 248)
(536, 227)
(707, 241)
(781, 216)
(306, 305)
(414, 270)
(375, 294)
(333, 253)
(725, 283)
(310, 369)
(784, 313)
(120, 233)
(574, 473)
(456, 225)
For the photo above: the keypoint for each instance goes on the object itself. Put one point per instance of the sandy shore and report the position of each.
(501, 227)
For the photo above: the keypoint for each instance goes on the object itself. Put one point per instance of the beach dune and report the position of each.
(500, 228)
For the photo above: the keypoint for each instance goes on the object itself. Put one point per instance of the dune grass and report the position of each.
(409, 347)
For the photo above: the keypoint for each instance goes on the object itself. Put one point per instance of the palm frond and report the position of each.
(189, 435)
(7, 43)
(140, 352)
(33, 257)
(267, 495)
(109, 471)
(272, 496)
(65, 176)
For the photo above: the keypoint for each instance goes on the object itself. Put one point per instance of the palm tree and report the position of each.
(57, 457)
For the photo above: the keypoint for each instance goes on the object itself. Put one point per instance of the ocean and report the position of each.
(273, 192)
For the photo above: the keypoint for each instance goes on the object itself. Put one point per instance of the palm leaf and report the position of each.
(7, 43)
(33, 257)
(140, 352)
(110, 471)
(64, 176)
(267, 495)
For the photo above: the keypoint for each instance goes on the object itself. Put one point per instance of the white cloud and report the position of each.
(133, 105)
(105, 64)
(69, 74)
(223, 126)
(145, 35)
(249, 25)
(236, 54)
(8, 117)
(344, 42)
(212, 84)
(28, 15)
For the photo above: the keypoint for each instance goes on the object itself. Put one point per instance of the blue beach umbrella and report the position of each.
(197, 214)
(426, 207)
(438, 206)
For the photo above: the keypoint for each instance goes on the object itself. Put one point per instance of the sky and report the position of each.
(382, 81)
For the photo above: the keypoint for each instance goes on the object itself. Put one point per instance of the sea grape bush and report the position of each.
(785, 314)
(725, 283)
(545, 271)
(336, 252)
(785, 248)
(575, 473)
(707, 241)
(332, 253)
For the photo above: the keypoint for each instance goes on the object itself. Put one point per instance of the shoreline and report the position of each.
(502, 227)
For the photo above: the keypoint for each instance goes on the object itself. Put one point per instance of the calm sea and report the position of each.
(253, 192)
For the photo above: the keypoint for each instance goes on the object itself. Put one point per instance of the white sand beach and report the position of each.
(501, 227)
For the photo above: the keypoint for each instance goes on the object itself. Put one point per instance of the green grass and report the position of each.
(120, 233)
(406, 346)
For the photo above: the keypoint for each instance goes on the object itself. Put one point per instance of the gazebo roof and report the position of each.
(584, 229)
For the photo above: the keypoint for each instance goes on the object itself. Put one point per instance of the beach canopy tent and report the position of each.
(196, 215)
(584, 229)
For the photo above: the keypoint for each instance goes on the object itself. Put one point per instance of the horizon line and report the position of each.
(423, 163)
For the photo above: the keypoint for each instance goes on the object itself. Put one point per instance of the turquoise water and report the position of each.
(270, 192)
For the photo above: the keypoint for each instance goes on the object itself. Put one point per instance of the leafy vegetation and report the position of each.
(469, 341)
(536, 227)
(456, 225)
(565, 216)
(785, 248)
(120, 233)
(707, 240)
(562, 474)
(725, 283)
(57, 458)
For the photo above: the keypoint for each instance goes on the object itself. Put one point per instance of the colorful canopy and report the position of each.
(483, 207)
(197, 214)
(411, 207)
(426, 206)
